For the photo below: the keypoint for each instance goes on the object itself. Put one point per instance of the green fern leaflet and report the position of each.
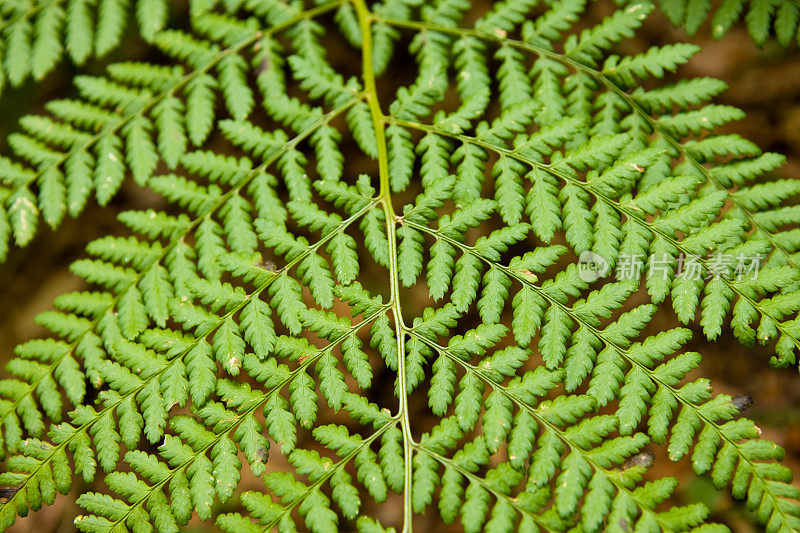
(35, 35)
(762, 18)
(332, 230)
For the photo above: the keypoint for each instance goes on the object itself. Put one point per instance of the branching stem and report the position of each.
(365, 20)
(604, 80)
(623, 210)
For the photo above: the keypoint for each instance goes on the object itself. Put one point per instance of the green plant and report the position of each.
(35, 35)
(763, 17)
(282, 286)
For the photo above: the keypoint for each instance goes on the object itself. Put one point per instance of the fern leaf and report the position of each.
(271, 310)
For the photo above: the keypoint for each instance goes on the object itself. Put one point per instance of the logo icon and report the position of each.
(591, 266)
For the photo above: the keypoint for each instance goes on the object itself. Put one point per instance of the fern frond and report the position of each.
(264, 316)
(763, 18)
(34, 37)
(65, 151)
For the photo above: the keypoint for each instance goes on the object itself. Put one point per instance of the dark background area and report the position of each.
(765, 83)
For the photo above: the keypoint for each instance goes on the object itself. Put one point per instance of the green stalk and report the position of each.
(365, 20)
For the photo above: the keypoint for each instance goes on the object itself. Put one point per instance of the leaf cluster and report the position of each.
(320, 244)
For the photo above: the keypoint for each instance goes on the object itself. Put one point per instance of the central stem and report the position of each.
(385, 195)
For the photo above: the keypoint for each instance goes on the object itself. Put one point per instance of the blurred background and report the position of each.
(764, 82)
